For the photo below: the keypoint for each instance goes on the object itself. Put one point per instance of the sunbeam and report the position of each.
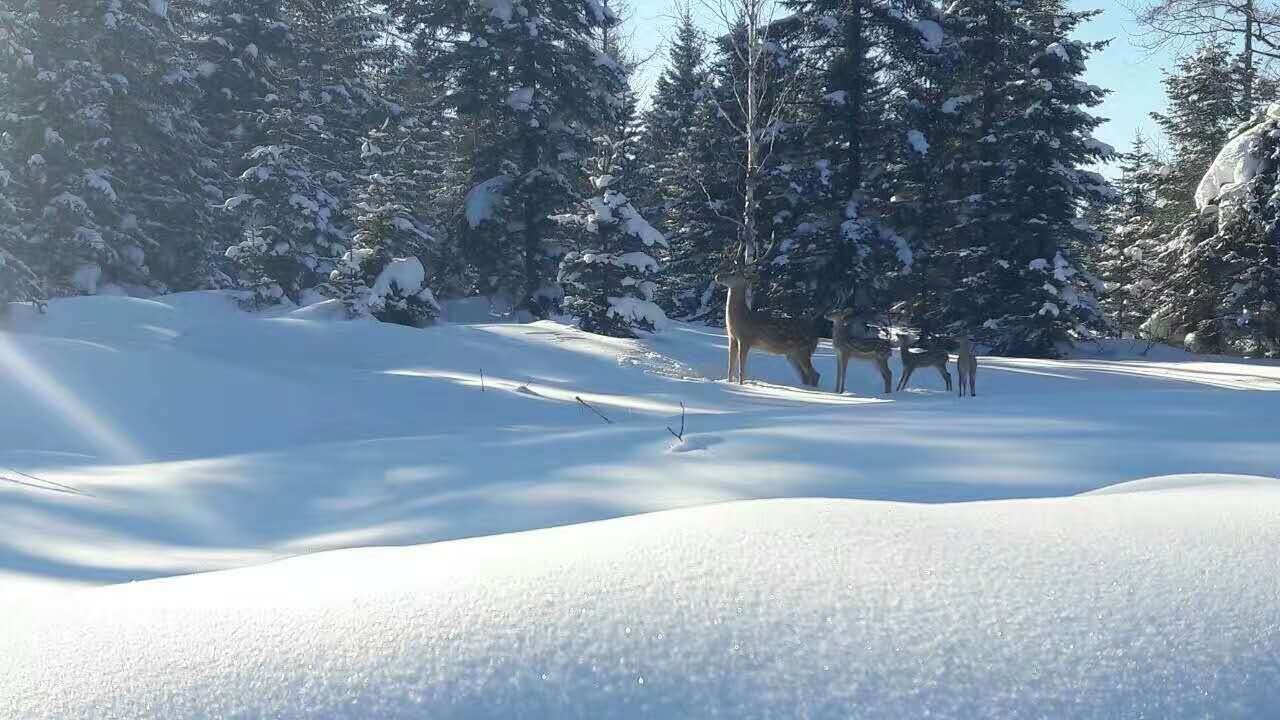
(110, 443)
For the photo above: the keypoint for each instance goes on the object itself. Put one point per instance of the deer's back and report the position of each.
(778, 334)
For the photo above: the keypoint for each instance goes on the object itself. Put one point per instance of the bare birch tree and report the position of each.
(761, 88)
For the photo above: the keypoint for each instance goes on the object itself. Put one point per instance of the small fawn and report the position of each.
(850, 341)
(913, 358)
(966, 365)
(795, 339)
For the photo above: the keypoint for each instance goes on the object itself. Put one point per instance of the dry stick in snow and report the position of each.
(42, 484)
(481, 379)
(592, 409)
(679, 436)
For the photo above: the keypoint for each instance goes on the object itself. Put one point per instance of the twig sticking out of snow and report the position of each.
(592, 409)
(680, 435)
(481, 379)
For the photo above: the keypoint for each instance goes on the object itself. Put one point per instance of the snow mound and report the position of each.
(1128, 605)
(1190, 482)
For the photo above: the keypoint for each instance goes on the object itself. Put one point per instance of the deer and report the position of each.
(850, 341)
(793, 338)
(966, 364)
(913, 358)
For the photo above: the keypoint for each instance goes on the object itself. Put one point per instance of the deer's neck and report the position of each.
(735, 307)
(840, 332)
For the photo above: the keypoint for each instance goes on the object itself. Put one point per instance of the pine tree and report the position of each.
(843, 168)
(17, 281)
(383, 274)
(527, 83)
(301, 157)
(1203, 108)
(608, 280)
(1021, 145)
(690, 153)
(1221, 285)
(1125, 260)
(101, 145)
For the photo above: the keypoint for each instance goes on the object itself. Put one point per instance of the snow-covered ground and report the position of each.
(148, 438)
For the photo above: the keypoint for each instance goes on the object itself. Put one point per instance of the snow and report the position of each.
(953, 570)
(521, 99)
(931, 34)
(1059, 51)
(952, 104)
(774, 608)
(635, 308)
(1238, 162)
(482, 200)
(917, 141)
(160, 8)
(403, 275)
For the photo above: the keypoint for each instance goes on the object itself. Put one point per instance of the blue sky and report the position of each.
(1129, 71)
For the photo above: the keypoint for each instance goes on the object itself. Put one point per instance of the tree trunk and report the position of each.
(1247, 90)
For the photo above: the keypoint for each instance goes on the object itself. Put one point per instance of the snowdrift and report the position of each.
(1161, 603)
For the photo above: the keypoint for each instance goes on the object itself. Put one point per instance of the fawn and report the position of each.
(966, 364)
(913, 358)
(849, 339)
(796, 339)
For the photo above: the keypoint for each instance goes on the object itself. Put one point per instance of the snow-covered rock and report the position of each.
(1238, 162)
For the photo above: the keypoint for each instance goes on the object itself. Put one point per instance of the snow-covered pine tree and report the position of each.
(1023, 142)
(383, 275)
(691, 156)
(841, 170)
(678, 92)
(17, 281)
(1203, 106)
(1223, 293)
(527, 86)
(100, 144)
(608, 279)
(1132, 237)
(292, 194)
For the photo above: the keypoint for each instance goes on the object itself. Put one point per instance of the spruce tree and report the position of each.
(690, 154)
(1022, 142)
(527, 81)
(608, 279)
(1203, 108)
(1125, 260)
(1221, 275)
(383, 274)
(843, 168)
(101, 146)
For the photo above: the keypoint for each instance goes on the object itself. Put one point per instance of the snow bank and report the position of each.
(1127, 605)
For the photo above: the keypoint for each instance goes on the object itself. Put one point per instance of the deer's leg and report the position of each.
(733, 356)
(842, 367)
(806, 362)
(886, 374)
(960, 373)
(946, 376)
(906, 376)
(743, 349)
(973, 379)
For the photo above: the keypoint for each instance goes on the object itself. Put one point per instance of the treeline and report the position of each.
(894, 156)
(1190, 248)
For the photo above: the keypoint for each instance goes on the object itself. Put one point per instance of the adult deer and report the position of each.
(850, 341)
(966, 365)
(913, 358)
(793, 338)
